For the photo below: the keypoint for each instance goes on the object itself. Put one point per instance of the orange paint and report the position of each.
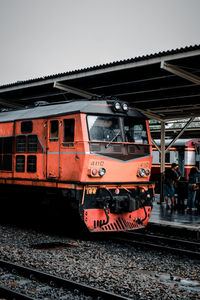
(95, 218)
(45, 157)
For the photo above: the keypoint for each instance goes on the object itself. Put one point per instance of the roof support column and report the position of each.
(162, 162)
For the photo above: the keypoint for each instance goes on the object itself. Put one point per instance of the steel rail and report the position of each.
(165, 238)
(56, 282)
(12, 294)
(148, 243)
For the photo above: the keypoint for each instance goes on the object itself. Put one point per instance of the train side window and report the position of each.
(21, 144)
(31, 163)
(6, 162)
(26, 127)
(167, 157)
(68, 132)
(6, 150)
(7, 145)
(20, 163)
(54, 130)
(32, 143)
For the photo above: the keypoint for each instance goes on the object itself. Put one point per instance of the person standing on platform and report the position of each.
(171, 177)
(192, 188)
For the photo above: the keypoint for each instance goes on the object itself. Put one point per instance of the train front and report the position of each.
(117, 194)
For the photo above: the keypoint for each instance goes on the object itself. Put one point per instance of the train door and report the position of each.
(197, 152)
(181, 161)
(53, 148)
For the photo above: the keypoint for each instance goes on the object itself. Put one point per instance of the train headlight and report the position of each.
(94, 172)
(102, 172)
(117, 106)
(147, 172)
(125, 106)
(142, 172)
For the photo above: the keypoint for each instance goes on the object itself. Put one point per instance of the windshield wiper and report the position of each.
(117, 134)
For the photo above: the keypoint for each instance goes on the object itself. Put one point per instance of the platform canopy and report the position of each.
(165, 85)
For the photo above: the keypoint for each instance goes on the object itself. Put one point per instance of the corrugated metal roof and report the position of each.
(112, 64)
(142, 81)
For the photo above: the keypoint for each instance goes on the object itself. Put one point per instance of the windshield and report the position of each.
(104, 129)
(108, 129)
(135, 131)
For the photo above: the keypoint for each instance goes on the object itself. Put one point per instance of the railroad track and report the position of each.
(19, 282)
(183, 247)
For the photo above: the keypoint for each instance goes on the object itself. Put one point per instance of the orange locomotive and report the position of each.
(97, 154)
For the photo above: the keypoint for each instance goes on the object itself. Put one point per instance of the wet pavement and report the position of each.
(177, 218)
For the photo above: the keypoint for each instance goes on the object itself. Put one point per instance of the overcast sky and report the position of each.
(45, 37)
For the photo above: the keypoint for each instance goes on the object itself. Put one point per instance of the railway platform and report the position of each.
(174, 220)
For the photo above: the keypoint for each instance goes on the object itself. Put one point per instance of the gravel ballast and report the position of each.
(137, 273)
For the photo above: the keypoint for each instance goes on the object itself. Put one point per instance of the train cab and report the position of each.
(98, 154)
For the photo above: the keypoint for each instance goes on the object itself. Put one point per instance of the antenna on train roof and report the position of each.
(76, 91)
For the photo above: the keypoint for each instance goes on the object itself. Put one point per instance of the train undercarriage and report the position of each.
(101, 209)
